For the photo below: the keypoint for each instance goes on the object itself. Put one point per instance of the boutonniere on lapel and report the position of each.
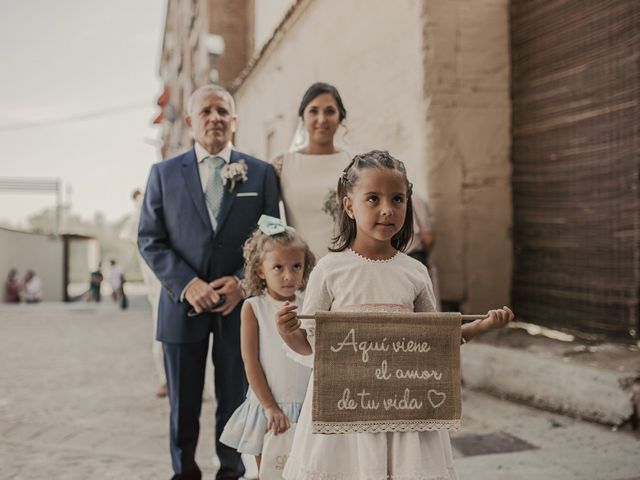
(234, 173)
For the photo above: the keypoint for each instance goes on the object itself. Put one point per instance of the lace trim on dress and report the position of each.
(294, 470)
(373, 260)
(379, 427)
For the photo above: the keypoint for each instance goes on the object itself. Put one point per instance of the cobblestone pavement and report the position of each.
(77, 401)
(77, 398)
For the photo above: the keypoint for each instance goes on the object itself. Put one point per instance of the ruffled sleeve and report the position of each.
(425, 300)
(277, 162)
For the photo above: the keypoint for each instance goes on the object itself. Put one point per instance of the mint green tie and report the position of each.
(214, 188)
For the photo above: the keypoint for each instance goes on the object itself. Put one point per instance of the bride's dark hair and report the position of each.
(319, 88)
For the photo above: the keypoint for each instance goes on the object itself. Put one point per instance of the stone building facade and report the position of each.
(204, 41)
(428, 81)
(207, 41)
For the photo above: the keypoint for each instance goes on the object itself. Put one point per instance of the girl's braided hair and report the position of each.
(346, 226)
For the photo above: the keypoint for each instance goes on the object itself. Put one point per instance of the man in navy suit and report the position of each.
(192, 228)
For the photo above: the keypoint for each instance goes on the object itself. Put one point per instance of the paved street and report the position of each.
(77, 401)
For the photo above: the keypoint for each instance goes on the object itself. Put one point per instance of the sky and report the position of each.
(78, 87)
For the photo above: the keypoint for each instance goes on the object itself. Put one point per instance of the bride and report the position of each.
(309, 172)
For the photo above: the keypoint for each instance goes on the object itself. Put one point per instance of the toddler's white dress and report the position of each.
(287, 381)
(347, 281)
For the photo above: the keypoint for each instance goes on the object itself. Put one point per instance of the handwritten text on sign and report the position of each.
(385, 372)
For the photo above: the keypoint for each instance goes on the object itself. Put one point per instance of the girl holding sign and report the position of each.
(367, 271)
(277, 266)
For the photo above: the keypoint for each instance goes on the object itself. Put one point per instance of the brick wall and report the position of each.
(234, 21)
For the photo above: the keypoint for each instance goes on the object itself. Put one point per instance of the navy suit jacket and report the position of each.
(176, 239)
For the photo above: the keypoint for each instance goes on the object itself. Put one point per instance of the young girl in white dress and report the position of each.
(367, 271)
(277, 266)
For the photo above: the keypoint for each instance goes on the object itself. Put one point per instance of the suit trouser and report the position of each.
(185, 366)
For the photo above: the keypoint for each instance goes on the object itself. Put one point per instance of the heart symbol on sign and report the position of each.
(436, 398)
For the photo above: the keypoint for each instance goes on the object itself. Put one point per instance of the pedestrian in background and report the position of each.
(32, 287)
(124, 300)
(12, 287)
(115, 280)
(95, 283)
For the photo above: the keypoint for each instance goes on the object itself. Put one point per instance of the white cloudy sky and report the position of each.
(63, 59)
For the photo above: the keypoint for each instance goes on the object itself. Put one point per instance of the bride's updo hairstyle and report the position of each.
(346, 226)
(319, 88)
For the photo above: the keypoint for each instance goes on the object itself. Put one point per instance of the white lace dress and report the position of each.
(287, 381)
(347, 281)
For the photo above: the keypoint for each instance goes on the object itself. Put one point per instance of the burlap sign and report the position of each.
(386, 372)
